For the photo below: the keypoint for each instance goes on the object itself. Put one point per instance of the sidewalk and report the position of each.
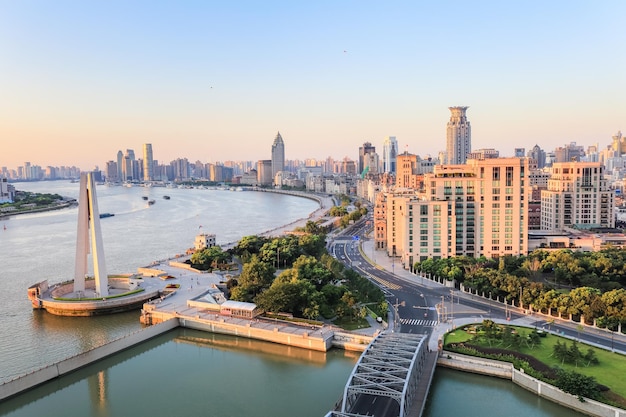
(382, 261)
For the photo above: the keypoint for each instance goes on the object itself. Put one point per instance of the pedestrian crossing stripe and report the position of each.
(418, 322)
(385, 283)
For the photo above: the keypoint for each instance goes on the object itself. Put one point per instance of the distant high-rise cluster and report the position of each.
(458, 136)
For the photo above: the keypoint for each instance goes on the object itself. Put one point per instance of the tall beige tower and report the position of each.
(148, 162)
(89, 236)
(458, 136)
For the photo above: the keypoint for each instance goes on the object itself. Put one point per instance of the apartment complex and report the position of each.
(476, 209)
(578, 196)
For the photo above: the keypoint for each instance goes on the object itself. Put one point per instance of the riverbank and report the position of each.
(191, 284)
(507, 371)
(66, 204)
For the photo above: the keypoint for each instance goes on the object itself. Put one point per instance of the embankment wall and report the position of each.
(550, 392)
(275, 335)
(38, 377)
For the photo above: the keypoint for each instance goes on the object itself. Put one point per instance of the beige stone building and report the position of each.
(475, 209)
(578, 196)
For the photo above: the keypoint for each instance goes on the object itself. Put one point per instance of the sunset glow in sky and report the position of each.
(215, 81)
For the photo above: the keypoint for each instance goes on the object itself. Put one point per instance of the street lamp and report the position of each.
(452, 308)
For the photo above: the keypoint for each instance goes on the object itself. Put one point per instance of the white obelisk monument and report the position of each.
(89, 235)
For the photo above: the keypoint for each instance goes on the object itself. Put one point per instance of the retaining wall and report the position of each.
(547, 391)
(351, 341)
(476, 365)
(275, 335)
(38, 377)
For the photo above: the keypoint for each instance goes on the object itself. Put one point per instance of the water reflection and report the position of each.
(190, 373)
(273, 350)
(455, 393)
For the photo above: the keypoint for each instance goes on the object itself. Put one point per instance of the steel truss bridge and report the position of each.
(386, 377)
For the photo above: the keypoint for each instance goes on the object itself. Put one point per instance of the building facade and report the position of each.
(578, 196)
(390, 151)
(148, 162)
(364, 150)
(458, 136)
(278, 155)
(264, 172)
(477, 209)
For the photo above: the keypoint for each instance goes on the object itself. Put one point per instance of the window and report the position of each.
(509, 176)
(495, 173)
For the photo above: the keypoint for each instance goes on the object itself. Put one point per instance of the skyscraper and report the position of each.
(539, 155)
(278, 155)
(459, 136)
(364, 150)
(120, 166)
(148, 162)
(390, 151)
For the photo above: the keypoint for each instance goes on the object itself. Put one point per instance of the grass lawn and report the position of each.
(610, 371)
(350, 324)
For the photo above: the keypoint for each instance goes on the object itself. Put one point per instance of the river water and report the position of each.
(184, 372)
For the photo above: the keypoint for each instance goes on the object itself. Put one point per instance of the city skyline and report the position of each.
(214, 81)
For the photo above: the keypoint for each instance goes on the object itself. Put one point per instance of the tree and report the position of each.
(615, 306)
(582, 301)
(289, 294)
(312, 245)
(310, 269)
(337, 211)
(577, 384)
(249, 245)
(210, 257)
(255, 277)
(257, 273)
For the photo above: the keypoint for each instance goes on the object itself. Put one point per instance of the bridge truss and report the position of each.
(390, 367)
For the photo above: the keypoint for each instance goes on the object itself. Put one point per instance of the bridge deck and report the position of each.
(423, 386)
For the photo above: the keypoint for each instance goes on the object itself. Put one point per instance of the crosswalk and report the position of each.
(418, 322)
(385, 283)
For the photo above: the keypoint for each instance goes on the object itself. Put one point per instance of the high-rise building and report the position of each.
(364, 150)
(569, 153)
(538, 155)
(111, 171)
(578, 196)
(390, 151)
(148, 162)
(473, 209)
(458, 136)
(120, 166)
(264, 172)
(278, 155)
(406, 173)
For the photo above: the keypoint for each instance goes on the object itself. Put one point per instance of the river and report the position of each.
(184, 372)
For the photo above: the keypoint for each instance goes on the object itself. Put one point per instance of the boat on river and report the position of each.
(105, 215)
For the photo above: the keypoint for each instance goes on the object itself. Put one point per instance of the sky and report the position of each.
(216, 80)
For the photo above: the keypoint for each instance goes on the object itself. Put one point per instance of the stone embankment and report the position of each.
(38, 377)
(507, 371)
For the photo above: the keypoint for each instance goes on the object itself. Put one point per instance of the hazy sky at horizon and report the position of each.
(215, 81)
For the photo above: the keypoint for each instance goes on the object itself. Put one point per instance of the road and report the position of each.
(418, 302)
